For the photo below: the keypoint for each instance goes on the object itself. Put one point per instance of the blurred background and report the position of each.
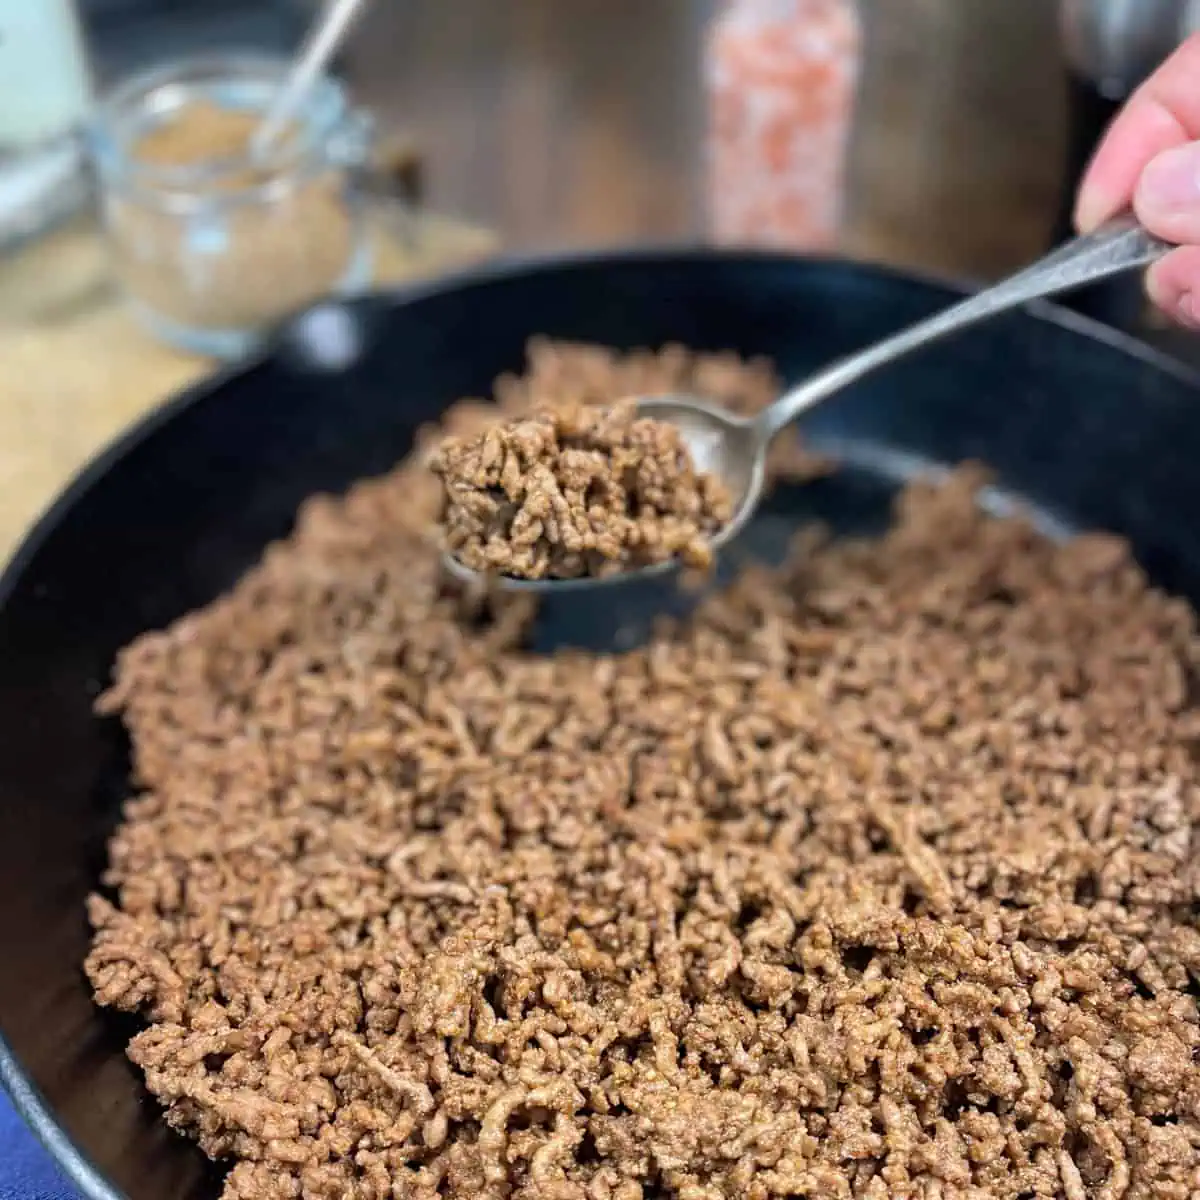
(572, 122)
(582, 122)
(944, 136)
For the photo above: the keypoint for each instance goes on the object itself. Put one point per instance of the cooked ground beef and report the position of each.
(877, 877)
(577, 491)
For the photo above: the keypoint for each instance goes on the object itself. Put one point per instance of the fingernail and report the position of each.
(1170, 184)
(1188, 311)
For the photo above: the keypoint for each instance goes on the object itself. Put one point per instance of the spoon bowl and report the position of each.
(734, 449)
(731, 448)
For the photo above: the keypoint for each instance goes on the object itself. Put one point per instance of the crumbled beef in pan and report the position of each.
(876, 877)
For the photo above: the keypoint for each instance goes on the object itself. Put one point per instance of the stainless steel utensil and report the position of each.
(327, 34)
(735, 448)
(1116, 43)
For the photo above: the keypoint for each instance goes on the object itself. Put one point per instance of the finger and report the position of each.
(1164, 112)
(1167, 197)
(1142, 132)
(1174, 285)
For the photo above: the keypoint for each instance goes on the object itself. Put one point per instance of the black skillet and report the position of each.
(1088, 427)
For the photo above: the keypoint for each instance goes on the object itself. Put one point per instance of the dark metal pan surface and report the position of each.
(1089, 428)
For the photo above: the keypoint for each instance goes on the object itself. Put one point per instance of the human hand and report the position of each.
(1150, 161)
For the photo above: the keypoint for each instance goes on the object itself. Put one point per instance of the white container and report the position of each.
(45, 87)
(45, 98)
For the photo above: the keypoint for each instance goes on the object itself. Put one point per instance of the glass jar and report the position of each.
(210, 246)
(781, 81)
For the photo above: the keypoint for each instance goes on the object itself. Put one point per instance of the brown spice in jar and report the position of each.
(254, 242)
(877, 877)
(572, 492)
(212, 139)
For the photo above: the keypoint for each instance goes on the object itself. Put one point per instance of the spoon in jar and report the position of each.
(734, 448)
(326, 36)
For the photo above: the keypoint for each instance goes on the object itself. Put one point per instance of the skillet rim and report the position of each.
(23, 1093)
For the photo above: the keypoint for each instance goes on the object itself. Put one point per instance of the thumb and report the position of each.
(1167, 199)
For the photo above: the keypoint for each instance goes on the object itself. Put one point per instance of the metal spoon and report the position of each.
(735, 448)
(327, 34)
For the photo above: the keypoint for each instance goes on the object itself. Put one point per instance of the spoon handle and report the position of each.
(321, 45)
(1120, 245)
